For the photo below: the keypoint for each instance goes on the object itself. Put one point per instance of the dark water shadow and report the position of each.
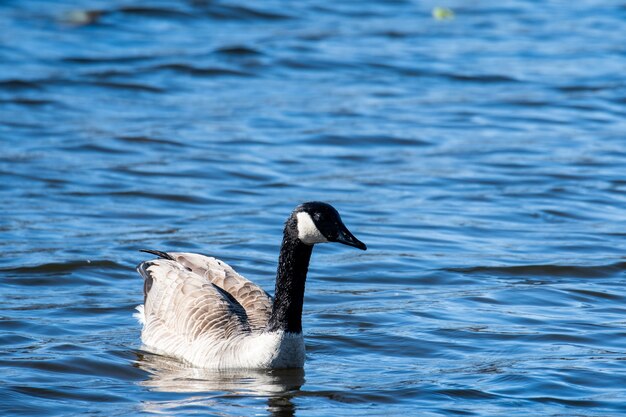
(208, 387)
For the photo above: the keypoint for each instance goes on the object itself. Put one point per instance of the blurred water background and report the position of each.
(480, 155)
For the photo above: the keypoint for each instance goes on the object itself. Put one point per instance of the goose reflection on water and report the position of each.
(168, 375)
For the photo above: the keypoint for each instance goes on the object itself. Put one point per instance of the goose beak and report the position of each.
(348, 238)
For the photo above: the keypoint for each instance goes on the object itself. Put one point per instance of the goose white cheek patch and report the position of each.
(307, 231)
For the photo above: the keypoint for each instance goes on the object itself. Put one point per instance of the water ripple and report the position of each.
(547, 270)
(479, 156)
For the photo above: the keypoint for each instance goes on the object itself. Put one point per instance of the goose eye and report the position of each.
(316, 216)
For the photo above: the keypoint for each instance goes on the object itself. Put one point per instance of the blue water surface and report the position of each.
(481, 157)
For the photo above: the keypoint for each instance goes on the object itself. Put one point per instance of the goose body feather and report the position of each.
(199, 309)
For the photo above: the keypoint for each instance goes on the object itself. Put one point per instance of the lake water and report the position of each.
(482, 158)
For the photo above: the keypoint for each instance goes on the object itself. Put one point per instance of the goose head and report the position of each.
(318, 222)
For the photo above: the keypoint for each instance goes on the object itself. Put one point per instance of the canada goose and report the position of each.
(199, 309)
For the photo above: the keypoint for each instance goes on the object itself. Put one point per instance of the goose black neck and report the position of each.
(293, 264)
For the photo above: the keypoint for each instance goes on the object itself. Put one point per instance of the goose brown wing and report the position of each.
(182, 307)
(256, 303)
(254, 300)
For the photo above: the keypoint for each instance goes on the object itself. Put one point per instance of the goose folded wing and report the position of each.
(254, 300)
(182, 306)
